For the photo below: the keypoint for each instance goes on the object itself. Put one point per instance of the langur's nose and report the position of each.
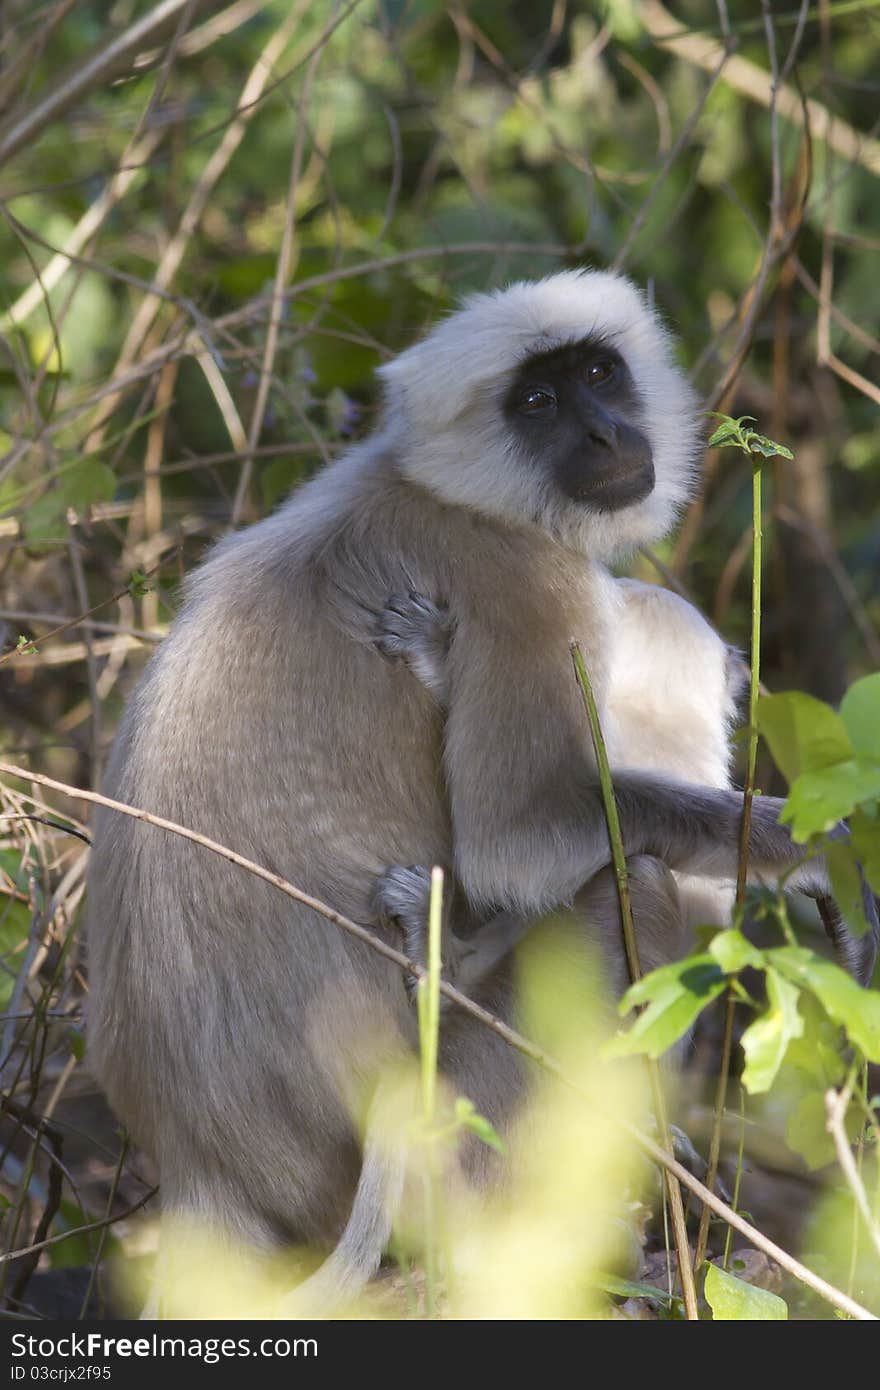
(599, 426)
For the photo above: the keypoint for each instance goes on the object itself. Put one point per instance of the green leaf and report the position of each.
(468, 1117)
(760, 444)
(138, 584)
(807, 1134)
(675, 994)
(629, 1288)
(865, 830)
(46, 519)
(733, 952)
(846, 884)
(846, 1002)
(803, 733)
(818, 800)
(728, 433)
(816, 1054)
(860, 712)
(733, 1300)
(88, 482)
(765, 1042)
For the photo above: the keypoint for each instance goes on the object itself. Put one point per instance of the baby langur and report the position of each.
(674, 686)
(678, 721)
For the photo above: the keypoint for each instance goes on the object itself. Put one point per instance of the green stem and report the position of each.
(743, 863)
(618, 857)
(429, 1001)
(740, 1155)
(754, 686)
(429, 1035)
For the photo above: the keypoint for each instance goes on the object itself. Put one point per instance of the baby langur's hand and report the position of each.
(413, 629)
(401, 898)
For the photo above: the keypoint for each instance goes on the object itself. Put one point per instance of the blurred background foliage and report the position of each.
(395, 156)
(218, 219)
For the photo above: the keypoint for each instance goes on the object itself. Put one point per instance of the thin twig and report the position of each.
(282, 277)
(836, 1106)
(89, 71)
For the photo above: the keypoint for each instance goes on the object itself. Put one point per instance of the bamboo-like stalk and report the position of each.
(743, 863)
(618, 857)
(429, 1040)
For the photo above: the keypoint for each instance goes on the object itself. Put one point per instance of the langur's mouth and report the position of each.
(621, 487)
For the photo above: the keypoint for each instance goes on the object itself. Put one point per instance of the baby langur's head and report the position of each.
(556, 403)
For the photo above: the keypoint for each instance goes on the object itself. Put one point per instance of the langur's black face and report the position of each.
(574, 410)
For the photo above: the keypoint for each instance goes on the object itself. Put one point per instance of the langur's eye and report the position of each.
(535, 399)
(599, 372)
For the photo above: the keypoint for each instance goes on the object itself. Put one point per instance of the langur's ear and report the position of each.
(436, 382)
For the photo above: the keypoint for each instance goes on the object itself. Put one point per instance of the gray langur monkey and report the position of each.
(531, 437)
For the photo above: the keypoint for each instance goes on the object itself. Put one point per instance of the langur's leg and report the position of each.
(471, 953)
(658, 917)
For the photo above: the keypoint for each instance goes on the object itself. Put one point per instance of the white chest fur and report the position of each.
(669, 707)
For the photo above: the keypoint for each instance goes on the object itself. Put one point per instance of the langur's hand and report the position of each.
(414, 629)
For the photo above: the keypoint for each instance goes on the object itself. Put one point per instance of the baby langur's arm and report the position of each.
(411, 628)
(402, 898)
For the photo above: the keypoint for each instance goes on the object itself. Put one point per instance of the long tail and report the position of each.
(857, 954)
(356, 1258)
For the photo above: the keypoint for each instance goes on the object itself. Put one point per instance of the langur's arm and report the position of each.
(529, 823)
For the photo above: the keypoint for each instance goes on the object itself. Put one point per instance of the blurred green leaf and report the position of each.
(816, 1055)
(766, 1041)
(139, 584)
(860, 712)
(806, 1130)
(468, 1117)
(733, 1300)
(846, 884)
(734, 952)
(45, 520)
(865, 829)
(629, 1288)
(846, 1002)
(90, 481)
